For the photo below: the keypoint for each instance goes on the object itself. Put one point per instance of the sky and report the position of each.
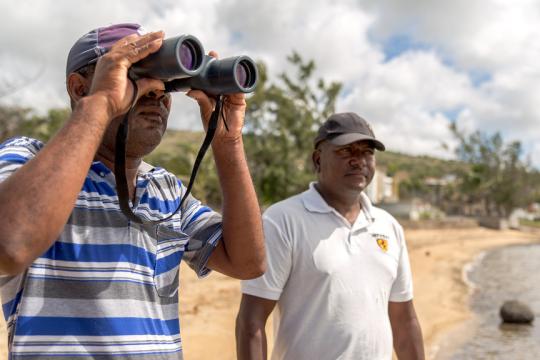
(410, 67)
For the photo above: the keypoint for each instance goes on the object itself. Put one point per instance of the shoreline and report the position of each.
(439, 258)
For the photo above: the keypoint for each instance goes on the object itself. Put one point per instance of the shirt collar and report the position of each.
(314, 202)
(145, 168)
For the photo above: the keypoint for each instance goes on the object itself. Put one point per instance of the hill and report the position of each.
(417, 166)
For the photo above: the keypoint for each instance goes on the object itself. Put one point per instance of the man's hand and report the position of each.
(240, 253)
(110, 79)
(234, 110)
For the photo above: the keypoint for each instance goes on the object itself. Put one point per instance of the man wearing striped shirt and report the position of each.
(77, 277)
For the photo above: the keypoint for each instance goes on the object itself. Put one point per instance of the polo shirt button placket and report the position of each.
(354, 247)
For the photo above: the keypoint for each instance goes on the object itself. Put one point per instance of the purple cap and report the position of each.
(345, 128)
(96, 43)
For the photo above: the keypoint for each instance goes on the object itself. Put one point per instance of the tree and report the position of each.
(45, 127)
(497, 177)
(281, 121)
(14, 118)
(18, 121)
(11, 118)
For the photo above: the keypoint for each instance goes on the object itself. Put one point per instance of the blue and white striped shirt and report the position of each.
(107, 287)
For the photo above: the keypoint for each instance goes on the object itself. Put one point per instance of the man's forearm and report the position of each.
(242, 226)
(250, 345)
(35, 202)
(408, 341)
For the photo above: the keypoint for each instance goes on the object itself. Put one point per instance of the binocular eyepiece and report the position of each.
(182, 65)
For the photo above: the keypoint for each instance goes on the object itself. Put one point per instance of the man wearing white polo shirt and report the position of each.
(338, 268)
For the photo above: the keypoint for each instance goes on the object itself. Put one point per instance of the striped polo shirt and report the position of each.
(107, 287)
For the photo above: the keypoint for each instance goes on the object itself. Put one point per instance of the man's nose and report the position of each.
(156, 94)
(160, 95)
(358, 159)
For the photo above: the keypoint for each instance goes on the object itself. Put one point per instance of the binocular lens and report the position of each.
(179, 57)
(182, 65)
(244, 74)
(188, 55)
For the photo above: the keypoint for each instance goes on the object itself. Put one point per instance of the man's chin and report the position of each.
(144, 146)
(357, 187)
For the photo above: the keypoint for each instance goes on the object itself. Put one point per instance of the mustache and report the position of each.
(151, 101)
(359, 169)
(152, 105)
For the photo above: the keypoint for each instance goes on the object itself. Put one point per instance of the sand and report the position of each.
(208, 307)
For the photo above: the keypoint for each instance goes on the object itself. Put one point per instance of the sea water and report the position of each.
(509, 273)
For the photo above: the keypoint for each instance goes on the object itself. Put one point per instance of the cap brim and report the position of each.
(349, 138)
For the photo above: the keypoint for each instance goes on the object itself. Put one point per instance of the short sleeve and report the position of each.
(279, 260)
(10, 293)
(402, 288)
(16, 152)
(204, 228)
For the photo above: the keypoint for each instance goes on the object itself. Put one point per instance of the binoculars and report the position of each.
(182, 65)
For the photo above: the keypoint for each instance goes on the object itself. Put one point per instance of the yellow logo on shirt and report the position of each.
(383, 244)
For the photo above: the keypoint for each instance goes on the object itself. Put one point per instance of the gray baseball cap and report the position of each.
(96, 43)
(345, 128)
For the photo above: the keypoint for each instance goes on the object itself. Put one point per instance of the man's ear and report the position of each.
(316, 158)
(77, 86)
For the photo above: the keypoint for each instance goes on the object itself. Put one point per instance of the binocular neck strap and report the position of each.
(120, 162)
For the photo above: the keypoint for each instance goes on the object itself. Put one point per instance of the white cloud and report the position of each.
(492, 37)
(406, 99)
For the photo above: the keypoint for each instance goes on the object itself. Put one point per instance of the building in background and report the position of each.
(382, 188)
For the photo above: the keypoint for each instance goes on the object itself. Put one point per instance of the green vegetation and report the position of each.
(16, 121)
(424, 166)
(497, 177)
(414, 171)
(282, 118)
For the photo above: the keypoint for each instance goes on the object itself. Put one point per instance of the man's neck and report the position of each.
(132, 166)
(348, 205)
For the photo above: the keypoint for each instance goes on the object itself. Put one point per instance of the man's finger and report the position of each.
(148, 38)
(124, 41)
(205, 102)
(144, 46)
(235, 99)
(135, 47)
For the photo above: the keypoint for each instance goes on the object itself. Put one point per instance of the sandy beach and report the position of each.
(208, 307)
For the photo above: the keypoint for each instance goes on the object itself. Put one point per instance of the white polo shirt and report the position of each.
(332, 281)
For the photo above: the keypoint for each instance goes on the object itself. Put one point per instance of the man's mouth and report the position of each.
(154, 116)
(356, 175)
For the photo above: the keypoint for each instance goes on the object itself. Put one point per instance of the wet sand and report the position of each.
(208, 307)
